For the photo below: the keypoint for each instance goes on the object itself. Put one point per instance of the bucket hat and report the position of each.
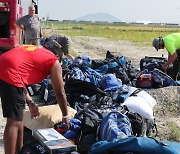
(109, 82)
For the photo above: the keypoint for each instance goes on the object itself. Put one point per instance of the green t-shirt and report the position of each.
(172, 42)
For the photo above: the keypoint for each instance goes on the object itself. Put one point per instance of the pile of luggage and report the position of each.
(113, 111)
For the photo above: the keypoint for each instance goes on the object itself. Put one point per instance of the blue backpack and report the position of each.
(161, 79)
(76, 73)
(114, 125)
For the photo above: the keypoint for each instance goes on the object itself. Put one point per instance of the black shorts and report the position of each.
(12, 100)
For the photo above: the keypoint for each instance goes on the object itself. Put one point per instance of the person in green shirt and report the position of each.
(171, 43)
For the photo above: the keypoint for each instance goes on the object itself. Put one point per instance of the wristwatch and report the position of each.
(65, 117)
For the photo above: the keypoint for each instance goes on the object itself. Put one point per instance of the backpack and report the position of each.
(132, 71)
(144, 80)
(114, 125)
(89, 114)
(76, 73)
(92, 113)
(140, 126)
(80, 91)
(150, 63)
(161, 79)
(34, 89)
(137, 123)
(46, 92)
(121, 74)
(85, 143)
(66, 62)
(92, 76)
(91, 120)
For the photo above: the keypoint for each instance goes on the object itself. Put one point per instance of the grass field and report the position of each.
(140, 35)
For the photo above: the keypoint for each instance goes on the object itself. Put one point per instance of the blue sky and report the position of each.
(125, 10)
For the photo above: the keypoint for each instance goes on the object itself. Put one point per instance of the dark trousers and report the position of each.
(176, 66)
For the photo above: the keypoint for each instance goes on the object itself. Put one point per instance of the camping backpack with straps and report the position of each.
(115, 125)
(132, 71)
(91, 120)
(161, 79)
(91, 114)
(138, 123)
(140, 126)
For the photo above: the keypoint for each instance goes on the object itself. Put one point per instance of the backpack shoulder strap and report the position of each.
(136, 92)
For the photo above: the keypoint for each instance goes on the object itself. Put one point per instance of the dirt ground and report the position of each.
(167, 109)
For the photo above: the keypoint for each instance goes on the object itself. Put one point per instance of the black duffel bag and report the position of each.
(150, 63)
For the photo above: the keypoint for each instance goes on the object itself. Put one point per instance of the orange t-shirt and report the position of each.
(26, 65)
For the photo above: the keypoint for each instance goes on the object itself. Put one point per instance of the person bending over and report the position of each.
(171, 43)
(22, 66)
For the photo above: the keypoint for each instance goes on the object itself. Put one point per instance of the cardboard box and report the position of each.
(53, 141)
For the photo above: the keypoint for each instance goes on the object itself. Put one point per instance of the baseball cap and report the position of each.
(156, 43)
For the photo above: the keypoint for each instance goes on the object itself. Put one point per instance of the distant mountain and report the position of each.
(99, 17)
